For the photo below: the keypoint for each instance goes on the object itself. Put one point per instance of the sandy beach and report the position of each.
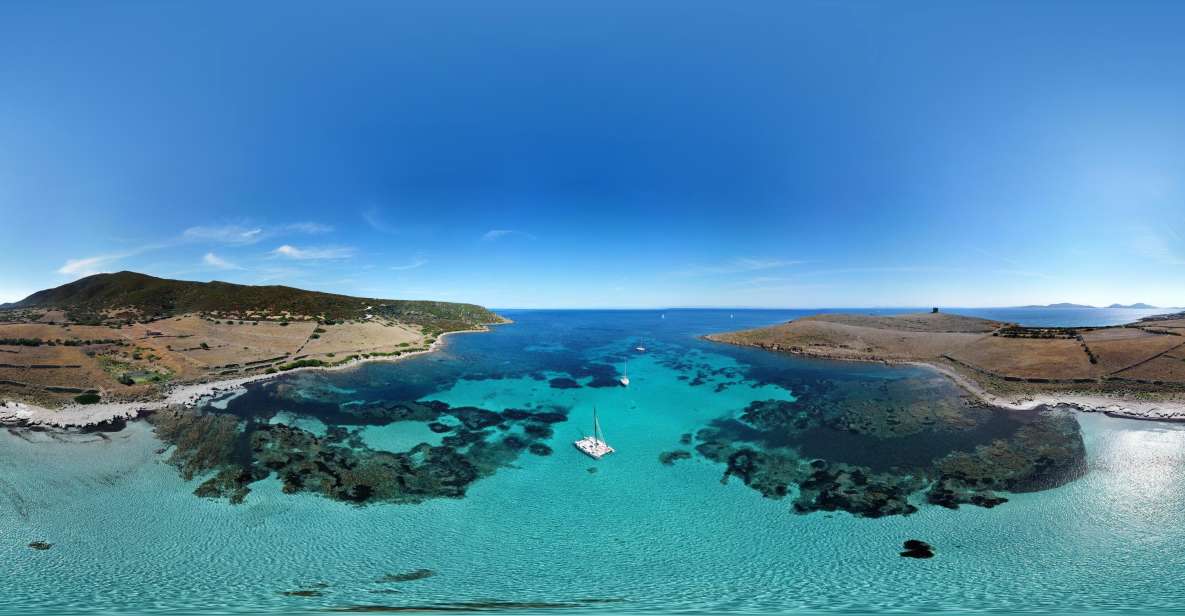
(187, 395)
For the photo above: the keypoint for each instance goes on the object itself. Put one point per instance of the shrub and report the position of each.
(302, 363)
(87, 398)
(205, 346)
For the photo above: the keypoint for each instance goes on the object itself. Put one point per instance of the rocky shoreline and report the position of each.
(1112, 406)
(1123, 408)
(188, 395)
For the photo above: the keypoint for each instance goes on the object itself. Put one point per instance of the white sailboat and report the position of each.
(595, 445)
(625, 380)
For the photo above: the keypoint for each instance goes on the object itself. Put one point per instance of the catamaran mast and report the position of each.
(596, 427)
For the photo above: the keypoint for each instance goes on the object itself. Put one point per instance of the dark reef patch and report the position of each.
(469, 607)
(563, 383)
(40, 545)
(234, 451)
(868, 446)
(301, 593)
(670, 457)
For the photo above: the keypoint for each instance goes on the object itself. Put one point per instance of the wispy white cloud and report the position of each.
(497, 234)
(1162, 245)
(274, 274)
(89, 265)
(239, 235)
(227, 234)
(308, 228)
(417, 262)
(736, 266)
(216, 261)
(902, 269)
(315, 253)
(374, 217)
(1022, 273)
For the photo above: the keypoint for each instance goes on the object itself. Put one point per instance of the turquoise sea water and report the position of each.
(545, 534)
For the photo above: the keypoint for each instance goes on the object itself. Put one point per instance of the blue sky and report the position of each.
(542, 154)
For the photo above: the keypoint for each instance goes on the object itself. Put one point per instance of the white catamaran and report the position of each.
(595, 445)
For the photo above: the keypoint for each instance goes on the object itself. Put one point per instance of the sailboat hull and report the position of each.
(594, 448)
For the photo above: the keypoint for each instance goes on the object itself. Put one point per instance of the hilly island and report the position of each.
(131, 338)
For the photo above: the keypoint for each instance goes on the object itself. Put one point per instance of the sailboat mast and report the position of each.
(596, 426)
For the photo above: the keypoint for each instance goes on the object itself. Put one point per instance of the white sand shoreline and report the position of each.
(13, 413)
(1113, 406)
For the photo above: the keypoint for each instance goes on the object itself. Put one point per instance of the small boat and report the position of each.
(594, 446)
(625, 380)
(640, 349)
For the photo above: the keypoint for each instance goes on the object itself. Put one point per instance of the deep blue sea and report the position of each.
(560, 532)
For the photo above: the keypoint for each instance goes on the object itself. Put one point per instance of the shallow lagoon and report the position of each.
(544, 532)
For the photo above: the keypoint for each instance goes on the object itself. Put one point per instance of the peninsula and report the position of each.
(1135, 370)
(128, 338)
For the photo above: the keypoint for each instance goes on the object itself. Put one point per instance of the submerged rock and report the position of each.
(842, 487)
(563, 383)
(40, 545)
(915, 548)
(301, 593)
(670, 457)
(853, 450)
(410, 576)
(232, 453)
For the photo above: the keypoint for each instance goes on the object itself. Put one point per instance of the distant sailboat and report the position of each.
(625, 380)
(594, 446)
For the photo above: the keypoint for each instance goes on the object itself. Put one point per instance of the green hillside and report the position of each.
(152, 297)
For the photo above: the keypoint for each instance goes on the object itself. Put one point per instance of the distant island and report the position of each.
(1135, 370)
(1067, 305)
(128, 337)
